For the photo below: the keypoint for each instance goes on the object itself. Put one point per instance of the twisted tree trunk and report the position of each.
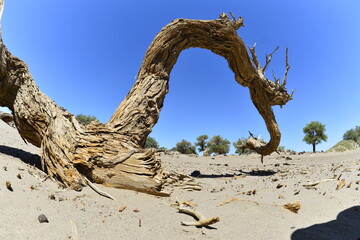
(112, 153)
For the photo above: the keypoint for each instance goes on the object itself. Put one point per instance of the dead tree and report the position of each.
(112, 154)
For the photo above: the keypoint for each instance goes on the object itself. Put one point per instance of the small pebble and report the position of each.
(8, 186)
(52, 196)
(122, 208)
(42, 218)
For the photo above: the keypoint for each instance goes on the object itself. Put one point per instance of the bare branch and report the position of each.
(292, 93)
(224, 16)
(276, 80)
(202, 221)
(252, 135)
(254, 57)
(2, 2)
(287, 67)
(268, 59)
(237, 23)
(233, 16)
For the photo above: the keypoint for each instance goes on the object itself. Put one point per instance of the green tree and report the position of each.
(281, 149)
(151, 143)
(86, 119)
(185, 147)
(218, 145)
(353, 134)
(201, 142)
(240, 142)
(314, 133)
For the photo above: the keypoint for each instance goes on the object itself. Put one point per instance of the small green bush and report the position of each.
(151, 143)
(184, 147)
(344, 145)
(202, 142)
(219, 145)
(86, 119)
(353, 134)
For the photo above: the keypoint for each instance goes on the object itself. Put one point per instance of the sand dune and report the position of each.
(247, 196)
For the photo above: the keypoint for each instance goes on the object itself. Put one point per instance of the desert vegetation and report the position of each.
(351, 140)
(201, 142)
(314, 134)
(353, 134)
(151, 143)
(184, 147)
(86, 119)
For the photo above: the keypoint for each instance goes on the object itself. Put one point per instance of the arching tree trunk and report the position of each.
(112, 153)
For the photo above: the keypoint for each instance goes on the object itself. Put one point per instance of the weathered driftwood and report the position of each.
(201, 220)
(112, 154)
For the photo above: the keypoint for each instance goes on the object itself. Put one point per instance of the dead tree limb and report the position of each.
(201, 220)
(112, 154)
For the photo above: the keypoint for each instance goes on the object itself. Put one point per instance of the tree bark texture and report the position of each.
(112, 154)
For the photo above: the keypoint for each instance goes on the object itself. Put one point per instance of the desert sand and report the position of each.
(246, 195)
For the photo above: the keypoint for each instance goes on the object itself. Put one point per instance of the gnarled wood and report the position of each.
(112, 154)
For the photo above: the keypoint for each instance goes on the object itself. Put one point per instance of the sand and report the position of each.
(247, 196)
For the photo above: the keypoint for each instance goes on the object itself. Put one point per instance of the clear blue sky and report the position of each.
(85, 55)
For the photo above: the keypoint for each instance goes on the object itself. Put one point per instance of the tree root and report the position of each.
(202, 221)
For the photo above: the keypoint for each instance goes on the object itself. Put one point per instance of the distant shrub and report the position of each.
(218, 145)
(238, 144)
(344, 145)
(184, 147)
(353, 134)
(201, 142)
(86, 119)
(151, 143)
(281, 149)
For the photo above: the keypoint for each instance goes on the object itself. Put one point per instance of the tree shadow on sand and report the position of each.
(256, 173)
(26, 157)
(345, 227)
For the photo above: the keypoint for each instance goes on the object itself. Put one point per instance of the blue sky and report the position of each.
(85, 55)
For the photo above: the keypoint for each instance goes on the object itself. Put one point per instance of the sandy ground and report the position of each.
(255, 195)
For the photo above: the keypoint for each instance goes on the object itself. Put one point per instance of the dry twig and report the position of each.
(227, 201)
(341, 184)
(93, 187)
(294, 206)
(202, 221)
(313, 184)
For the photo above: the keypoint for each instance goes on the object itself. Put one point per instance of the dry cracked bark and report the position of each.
(112, 154)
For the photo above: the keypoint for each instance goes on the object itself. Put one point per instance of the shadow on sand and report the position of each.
(345, 227)
(256, 173)
(26, 157)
